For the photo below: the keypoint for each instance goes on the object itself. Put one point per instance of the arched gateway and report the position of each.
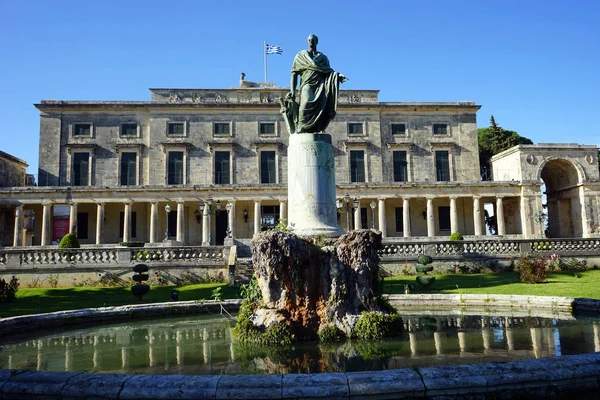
(570, 175)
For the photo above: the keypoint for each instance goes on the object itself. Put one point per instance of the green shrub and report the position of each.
(69, 241)
(8, 290)
(456, 236)
(424, 269)
(424, 259)
(532, 269)
(251, 291)
(425, 280)
(140, 289)
(330, 334)
(375, 325)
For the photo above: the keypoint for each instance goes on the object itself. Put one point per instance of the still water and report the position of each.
(203, 345)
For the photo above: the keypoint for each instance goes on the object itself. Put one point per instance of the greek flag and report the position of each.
(273, 49)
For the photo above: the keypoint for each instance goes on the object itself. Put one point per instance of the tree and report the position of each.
(493, 140)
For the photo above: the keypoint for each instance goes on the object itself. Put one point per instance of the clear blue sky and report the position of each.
(534, 65)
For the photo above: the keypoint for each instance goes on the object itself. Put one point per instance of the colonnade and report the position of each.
(154, 236)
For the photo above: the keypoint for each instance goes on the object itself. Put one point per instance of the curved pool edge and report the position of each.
(538, 378)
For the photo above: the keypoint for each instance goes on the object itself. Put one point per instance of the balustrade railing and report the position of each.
(35, 257)
(494, 247)
(186, 255)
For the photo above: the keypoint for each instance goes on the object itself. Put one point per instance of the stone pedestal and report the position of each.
(311, 186)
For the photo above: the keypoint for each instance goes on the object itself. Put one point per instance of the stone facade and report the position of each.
(111, 167)
(12, 173)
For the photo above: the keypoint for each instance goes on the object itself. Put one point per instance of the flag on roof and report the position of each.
(273, 49)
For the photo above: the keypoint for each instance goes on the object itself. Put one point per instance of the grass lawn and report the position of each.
(32, 301)
(558, 284)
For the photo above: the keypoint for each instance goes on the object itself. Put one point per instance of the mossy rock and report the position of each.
(375, 325)
(330, 334)
(425, 280)
(424, 259)
(69, 241)
(423, 269)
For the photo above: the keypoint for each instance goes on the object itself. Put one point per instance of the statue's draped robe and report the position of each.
(319, 89)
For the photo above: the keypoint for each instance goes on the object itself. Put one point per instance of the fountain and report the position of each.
(305, 289)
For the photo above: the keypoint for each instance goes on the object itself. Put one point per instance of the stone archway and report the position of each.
(562, 180)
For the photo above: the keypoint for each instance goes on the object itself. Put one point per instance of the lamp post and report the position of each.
(228, 232)
(167, 210)
(540, 218)
(347, 201)
(373, 205)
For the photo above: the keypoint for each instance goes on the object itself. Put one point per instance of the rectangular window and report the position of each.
(221, 128)
(399, 219)
(128, 169)
(398, 129)
(400, 166)
(81, 169)
(267, 167)
(129, 129)
(357, 166)
(222, 168)
(267, 128)
(133, 224)
(440, 129)
(82, 225)
(444, 218)
(355, 128)
(442, 166)
(175, 168)
(82, 129)
(175, 128)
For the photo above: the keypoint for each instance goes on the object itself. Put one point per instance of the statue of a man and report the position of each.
(319, 88)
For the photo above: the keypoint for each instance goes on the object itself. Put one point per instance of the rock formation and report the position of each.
(310, 287)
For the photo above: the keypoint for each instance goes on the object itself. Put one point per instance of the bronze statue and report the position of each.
(318, 92)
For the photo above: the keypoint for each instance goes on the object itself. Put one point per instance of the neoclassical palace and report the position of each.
(199, 166)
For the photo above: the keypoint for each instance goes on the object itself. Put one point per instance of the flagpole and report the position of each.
(265, 56)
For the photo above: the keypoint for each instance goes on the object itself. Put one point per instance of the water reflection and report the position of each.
(204, 346)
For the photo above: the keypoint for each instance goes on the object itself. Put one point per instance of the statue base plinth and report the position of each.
(311, 186)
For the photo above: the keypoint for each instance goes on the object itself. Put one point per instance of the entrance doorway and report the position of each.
(563, 205)
(220, 228)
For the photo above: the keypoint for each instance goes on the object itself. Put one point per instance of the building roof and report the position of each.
(13, 158)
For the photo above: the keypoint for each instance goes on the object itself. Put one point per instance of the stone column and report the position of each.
(462, 342)
(430, 218)
(206, 226)
(500, 216)
(357, 220)
(586, 220)
(256, 216)
(127, 222)
(477, 217)
(47, 224)
(73, 218)
(18, 236)
(406, 217)
(311, 189)
(453, 215)
(153, 222)
(283, 209)
(232, 219)
(412, 339)
(180, 222)
(536, 341)
(437, 340)
(381, 218)
(99, 223)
